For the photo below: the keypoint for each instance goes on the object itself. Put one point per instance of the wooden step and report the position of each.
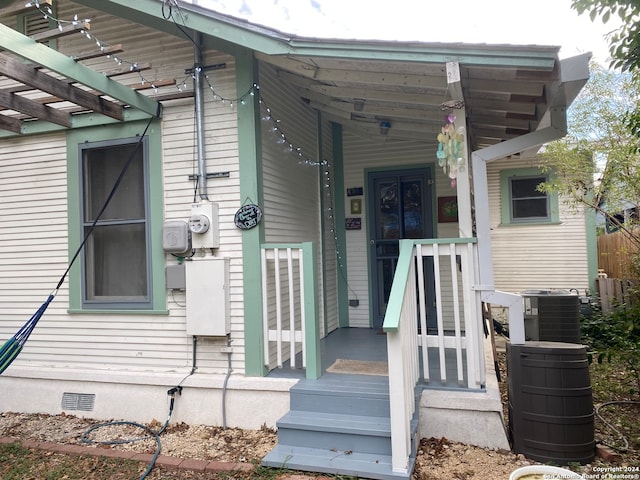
(365, 434)
(349, 463)
(343, 394)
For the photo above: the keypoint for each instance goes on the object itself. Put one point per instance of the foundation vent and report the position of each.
(78, 401)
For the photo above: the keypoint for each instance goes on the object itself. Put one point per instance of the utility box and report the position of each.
(207, 297)
(203, 225)
(551, 315)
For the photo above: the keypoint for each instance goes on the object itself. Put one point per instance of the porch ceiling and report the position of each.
(43, 89)
(501, 101)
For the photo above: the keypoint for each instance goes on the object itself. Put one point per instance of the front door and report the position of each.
(399, 207)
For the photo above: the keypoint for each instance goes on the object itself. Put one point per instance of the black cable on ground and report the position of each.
(618, 432)
(151, 435)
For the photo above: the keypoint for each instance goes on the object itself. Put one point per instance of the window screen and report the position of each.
(116, 254)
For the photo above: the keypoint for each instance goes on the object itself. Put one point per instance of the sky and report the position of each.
(518, 22)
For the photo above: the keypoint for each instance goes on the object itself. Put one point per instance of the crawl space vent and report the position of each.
(78, 401)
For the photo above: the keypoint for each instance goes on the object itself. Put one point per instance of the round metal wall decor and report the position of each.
(248, 216)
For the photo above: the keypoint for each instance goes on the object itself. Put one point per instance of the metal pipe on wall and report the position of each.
(198, 72)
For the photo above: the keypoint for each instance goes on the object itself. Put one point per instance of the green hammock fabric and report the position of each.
(13, 346)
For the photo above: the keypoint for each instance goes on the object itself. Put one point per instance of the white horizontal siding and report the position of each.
(366, 153)
(33, 211)
(536, 256)
(291, 186)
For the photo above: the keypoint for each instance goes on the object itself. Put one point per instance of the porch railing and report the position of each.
(454, 333)
(289, 307)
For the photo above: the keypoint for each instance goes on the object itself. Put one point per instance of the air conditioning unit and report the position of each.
(551, 315)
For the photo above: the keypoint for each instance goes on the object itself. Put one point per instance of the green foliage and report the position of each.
(20, 463)
(616, 336)
(597, 164)
(625, 40)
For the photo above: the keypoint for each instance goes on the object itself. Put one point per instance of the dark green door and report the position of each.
(399, 207)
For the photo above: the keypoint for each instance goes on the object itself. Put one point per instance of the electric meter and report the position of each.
(199, 223)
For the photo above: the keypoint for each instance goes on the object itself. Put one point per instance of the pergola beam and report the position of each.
(26, 74)
(46, 57)
(30, 108)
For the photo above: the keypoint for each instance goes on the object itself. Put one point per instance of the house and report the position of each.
(277, 199)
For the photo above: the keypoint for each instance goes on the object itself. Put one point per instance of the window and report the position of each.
(115, 262)
(527, 202)
(121, 268)
(522, 202)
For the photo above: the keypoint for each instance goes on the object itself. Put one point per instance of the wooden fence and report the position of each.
(613, 255)
(613, 284)
(612, 292)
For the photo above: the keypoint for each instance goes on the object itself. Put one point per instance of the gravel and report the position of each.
(437, 458)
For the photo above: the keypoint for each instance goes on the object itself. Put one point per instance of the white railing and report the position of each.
(289, 307)
(456, 329)
(401, 326)
(458, 322)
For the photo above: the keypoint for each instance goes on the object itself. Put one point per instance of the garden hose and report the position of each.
(150, 433)
(620, 435)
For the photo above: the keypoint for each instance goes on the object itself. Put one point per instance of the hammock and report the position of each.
(13, 346)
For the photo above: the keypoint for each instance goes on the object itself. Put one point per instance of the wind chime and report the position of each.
(451, 140)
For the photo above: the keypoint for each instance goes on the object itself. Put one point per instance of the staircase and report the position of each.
(338, 424)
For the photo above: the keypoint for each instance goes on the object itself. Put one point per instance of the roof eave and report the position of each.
(231, 32)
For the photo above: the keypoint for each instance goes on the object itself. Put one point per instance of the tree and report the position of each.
(598, 163)
(624, 42)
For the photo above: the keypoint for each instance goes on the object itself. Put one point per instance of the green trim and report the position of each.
(312, 329)
(157, 256)
(231, 33)
(505, 198)
(592, 248)
(250, 164)
(222, 32)
(280, 245)
(447, 241)
(80, 120)
(340, 230)
(35, 52)
(323, 226)
(119, 312)
(400, 279)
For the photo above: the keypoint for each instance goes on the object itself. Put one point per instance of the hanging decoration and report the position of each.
(248, 216)
(450, 151)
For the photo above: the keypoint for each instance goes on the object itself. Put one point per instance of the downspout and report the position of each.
(198, 72)
(574, 73)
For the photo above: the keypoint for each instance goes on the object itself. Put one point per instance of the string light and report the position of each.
(267, 116)
(47, 13)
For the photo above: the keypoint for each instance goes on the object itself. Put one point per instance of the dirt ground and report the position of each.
(438, 459)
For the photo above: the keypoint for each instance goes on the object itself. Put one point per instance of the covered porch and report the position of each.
(432, 337)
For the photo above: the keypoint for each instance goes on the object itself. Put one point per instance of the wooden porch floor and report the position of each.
(367, 344)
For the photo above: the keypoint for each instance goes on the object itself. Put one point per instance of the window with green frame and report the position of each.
(121, 267)
(521, 200)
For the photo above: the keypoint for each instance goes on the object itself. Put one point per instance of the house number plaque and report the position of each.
(248, 216)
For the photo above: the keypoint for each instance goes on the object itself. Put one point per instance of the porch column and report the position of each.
(339, 216)
(473, 302)
(250, 163)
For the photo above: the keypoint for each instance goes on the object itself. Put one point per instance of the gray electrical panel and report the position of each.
(176, 237)
(176, 277)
